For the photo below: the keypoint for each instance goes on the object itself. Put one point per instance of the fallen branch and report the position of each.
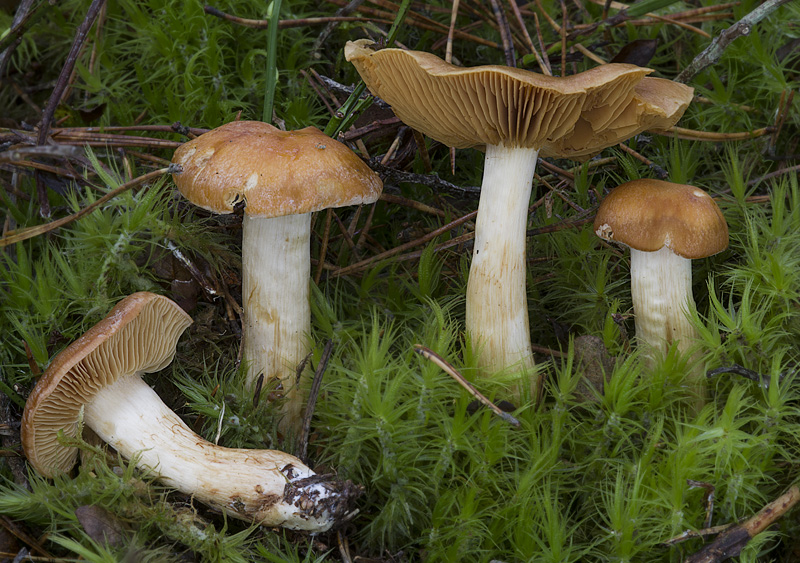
(731, 542)
(713, 52)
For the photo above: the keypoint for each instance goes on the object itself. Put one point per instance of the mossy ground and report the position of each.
(595, 473)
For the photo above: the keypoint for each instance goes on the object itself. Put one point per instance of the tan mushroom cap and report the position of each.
(575, 116)
(274, 172)
(139, 335)
(648, 215)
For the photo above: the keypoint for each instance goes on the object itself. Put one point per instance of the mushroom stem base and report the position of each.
(265, 486)
(661, 289)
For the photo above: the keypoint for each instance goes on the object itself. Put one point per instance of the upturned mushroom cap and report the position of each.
(575, 116)
(274, 172)
(648, 215)
(139, 335)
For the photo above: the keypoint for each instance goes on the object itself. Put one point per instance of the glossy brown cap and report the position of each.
(139, 335)
(648, 215)
(575, 116)
(274, 172)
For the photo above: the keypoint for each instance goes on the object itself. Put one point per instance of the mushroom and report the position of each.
(517, 115)
(96, 379)
(280, 177)
(666, 226)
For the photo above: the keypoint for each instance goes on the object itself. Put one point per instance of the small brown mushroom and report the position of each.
(666, 226)
(97, 378)
(281, 177)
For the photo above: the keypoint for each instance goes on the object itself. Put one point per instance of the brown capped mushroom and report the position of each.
(281, 177)
(98, 378)
(516, 115)
(666, 226)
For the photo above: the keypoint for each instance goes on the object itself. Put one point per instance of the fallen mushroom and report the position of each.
(280, 177)
(517, 115)
(98, 378)
(666, 226)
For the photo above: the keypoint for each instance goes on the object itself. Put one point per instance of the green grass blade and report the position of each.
(272, 67)
(354, 105)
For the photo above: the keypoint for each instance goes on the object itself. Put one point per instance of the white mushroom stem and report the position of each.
(496, 309)
(266, 486)
(277, 315)
(661, 288)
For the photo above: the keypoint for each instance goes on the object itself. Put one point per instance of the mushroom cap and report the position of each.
(575, 116)
(274, 172)
(648, 215)
(139, 335)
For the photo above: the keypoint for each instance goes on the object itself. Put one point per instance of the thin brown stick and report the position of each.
(775, 174)
(363, 264)
(316, 383)
(343, 229)
(376, 125)
(691, 534)
(26, 14)
(24, 234)
(448, 53)
(563, 32)
(714, 51)
(551, 21)
(783, 111)
(545, 59)
(554, 190)
(46, 168)
(416, 20)
(694, 135)
(58, 91)
(325, 33)
(389, 198)
(323, 250)
(429, 354)
(23, 536)
(644, 160)
(588, 54)
(419, 139)
(528, 41)
(317, 91)
(100, 139)
(505, 33)
(731, 542)
(684, 25)
(367, 225)
(456, 241)
(285, 24)
(393, 147)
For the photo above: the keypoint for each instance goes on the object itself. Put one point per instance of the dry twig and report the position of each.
(713, 52)
(24, 234)
(429, 354)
